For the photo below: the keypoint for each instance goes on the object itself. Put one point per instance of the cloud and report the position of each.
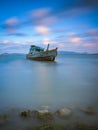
(75, 40)
(90, 45)
(42, 30)
(40, 13)
(18, 34)
(93, 32)
(46, 41)
(11, 24)
(75, 8)
(39, 19)
(63, 9)
(16, 42)
(92, 4)
(48, 20)
(42, 16)
(97, 39)
(30, 41)
(5, 41)
(14, 48)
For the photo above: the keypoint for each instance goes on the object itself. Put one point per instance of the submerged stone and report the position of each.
(43, 111)
(63, 112)
(89, 110)
(26, 113)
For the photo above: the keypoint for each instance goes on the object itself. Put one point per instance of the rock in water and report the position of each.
(63, 112)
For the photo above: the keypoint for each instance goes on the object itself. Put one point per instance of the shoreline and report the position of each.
(44, 119)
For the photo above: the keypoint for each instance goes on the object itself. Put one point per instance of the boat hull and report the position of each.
(48, 55)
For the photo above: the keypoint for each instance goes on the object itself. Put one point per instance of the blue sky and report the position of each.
(69, 25)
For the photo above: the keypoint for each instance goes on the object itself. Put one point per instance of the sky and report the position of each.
(68, 25)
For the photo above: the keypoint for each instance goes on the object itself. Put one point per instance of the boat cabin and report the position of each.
(35, 49)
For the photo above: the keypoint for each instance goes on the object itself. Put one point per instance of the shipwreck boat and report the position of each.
(38, 53)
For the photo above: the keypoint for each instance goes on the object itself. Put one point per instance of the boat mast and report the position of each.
(47, 47)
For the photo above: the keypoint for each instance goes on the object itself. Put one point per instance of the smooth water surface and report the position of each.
(71, 80)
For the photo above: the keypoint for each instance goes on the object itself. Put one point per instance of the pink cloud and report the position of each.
(48, 20)
(5, 41)
(39, 13)
(42, 30)
(12, 21)
(46, 41)
(97, 39)
(75, 40)
(93, 32)
(89, 45)
(11, 24)
(42, 16)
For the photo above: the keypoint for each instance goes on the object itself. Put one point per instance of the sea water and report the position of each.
(72, 80)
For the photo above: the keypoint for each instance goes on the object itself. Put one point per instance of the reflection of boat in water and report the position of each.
(38, 53)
